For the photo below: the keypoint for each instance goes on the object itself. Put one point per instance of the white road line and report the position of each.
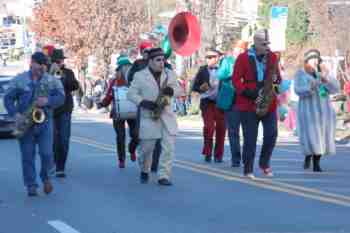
(62, 227)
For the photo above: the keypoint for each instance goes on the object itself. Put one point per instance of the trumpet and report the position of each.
(55, 70)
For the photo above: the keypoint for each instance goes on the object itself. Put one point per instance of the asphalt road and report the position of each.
(98, 197)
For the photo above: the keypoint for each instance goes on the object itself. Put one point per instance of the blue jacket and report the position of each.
(20, 95)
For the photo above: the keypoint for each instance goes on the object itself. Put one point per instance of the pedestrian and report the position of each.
(316, 116)
(29, 90)
(254, 77)
(120, 80)
(63, 114)
(206, 84)
(152, 90)
(225, 100)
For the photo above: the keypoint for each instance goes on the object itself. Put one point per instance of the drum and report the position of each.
(125, 109)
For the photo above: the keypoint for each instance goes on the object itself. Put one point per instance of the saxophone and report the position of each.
(162, 101)
(267, 92)
(33, 115)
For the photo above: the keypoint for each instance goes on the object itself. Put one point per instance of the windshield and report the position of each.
(3, 86)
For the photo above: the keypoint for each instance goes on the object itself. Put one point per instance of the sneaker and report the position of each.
(164, 182)
(267, 172)
(133, 156)
(249, 176)
(48, 188)
(121, 164)
(32, 192)
(60, 174)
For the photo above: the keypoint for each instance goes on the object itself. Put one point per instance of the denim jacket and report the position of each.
(21, 93)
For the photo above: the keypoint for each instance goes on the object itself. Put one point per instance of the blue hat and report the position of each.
(40, 58)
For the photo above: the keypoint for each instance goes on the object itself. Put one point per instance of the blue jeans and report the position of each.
(41, 135)
(233, 122)
(250, 124)
(62, 132)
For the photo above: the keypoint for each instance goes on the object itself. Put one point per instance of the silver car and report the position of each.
(7, 123)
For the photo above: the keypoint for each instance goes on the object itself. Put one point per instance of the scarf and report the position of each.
(260, 65)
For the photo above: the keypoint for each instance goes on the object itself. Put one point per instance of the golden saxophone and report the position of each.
(162, 101)
(33, 115)
(266, 93)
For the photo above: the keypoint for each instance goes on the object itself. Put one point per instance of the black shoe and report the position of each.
(32, 192)
(236, 164)
(217, 160)
(164, 182)
(207, 158)
(307, 161)
(316, 163)
(154, 170)
(60, 174)
(144, 178)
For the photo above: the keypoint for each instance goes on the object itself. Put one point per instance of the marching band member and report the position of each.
(29, 91)
(119, 124)
(152, 89)
(206, 84)
(254, 77)
(62, 114)
(316, 116)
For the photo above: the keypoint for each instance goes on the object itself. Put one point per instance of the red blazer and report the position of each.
(244, 77)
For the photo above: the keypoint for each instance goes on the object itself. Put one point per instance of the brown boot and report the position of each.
(47, 187)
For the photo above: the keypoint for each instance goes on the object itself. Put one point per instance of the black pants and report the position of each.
(62, 130)
(250, 124)
(119, 127)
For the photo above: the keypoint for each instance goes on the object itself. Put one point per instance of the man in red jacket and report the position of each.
(252, 72)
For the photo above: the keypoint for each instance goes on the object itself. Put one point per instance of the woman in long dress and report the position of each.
(316, 116)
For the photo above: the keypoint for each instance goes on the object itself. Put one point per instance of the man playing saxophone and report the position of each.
(35, 89)
(151, 90)
(255, 76)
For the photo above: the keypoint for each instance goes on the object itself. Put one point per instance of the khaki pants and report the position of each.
(146, 148)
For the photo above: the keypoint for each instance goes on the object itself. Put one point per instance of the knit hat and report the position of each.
(48, 50)
(123, 60)
(155, 52)
(263, 35)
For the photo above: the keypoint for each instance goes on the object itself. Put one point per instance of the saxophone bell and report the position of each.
(38, 115)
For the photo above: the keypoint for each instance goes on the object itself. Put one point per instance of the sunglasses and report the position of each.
(211, 57)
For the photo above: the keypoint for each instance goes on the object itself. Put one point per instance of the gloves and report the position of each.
(168, 91)
(99, 105)
(149, 105)
(250, 94)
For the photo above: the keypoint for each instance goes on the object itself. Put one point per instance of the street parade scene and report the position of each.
(174, 116)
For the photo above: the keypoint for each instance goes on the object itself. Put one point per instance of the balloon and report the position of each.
(165, 45)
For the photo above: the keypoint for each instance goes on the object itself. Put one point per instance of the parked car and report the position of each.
(7, 123)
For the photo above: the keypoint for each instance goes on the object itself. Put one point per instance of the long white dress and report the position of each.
(316, 116)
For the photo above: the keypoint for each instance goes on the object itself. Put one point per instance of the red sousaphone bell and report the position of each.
(184, 34)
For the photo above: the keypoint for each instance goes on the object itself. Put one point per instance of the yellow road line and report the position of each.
(310, 193)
